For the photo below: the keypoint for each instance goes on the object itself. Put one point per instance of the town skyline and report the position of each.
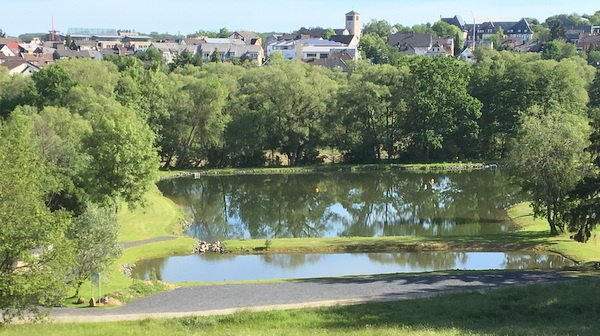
(269, 16)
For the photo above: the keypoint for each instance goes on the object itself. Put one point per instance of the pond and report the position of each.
(344, 204)
(228, 267)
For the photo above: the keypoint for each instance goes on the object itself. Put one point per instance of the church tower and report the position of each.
(353, 23)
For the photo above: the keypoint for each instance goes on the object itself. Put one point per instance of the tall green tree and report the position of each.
(53, 83)
(94, 233)
(548, 159)
(441, 114)
(59, 134)
(584, 214)
(373, 111)
(14, 91)
(294, 98)
(376, 49)
(123, 161)
(197, 121)
(34, 253)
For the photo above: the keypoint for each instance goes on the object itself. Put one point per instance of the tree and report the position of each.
(2, 34)
(59, 134)
(68, 40)
(293, 98)
(557, 31)
(34, 253)
(185, 58)
(584, 214)
(558, 50)
(547, 160)
(53, 83)
(594, 19)
(151, 54)
(14, 91)
(102, 77)
(329, 32)
(376, 49)
(94, 233)
(372, 112)
(224, 33)
(197, 120)
(594, 91)
(123, 161)
(215, 57)
(380, 28)
(440, 111)
(594, 58)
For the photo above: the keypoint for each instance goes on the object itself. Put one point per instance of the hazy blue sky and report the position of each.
(188, 16)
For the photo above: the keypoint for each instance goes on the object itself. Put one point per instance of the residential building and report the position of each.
(588, 43)
(168, 50)
(69, 54)
(411, 43)
(249, 38)
(229, 49)
(136, 42)
(20, 67)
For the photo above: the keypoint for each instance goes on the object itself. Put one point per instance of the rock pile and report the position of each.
(127, 269)
(202, 247)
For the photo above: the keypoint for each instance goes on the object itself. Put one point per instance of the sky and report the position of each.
(188, 16)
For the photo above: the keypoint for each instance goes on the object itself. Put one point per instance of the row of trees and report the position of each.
(222, 115)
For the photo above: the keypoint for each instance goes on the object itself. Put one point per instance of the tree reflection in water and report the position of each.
(343, 204)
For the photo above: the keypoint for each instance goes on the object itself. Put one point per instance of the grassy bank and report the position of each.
(558, 309)
(532, 235)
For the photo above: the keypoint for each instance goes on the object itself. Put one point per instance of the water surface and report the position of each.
(344, 204)
(228, 267)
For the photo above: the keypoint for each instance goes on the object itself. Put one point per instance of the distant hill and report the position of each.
(30, 36)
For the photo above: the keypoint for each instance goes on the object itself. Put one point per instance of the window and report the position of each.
(350, 18)
(323, 55)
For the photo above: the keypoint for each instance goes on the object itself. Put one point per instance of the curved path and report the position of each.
(228, 298)
(148, 241)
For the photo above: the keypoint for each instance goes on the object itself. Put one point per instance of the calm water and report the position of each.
(343, 204)
(227, 267)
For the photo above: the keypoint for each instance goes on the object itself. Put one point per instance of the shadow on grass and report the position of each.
(565, 308)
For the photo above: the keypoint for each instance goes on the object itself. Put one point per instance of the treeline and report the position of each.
(222, 115)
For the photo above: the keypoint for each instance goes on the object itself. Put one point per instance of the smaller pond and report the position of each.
(228, 267)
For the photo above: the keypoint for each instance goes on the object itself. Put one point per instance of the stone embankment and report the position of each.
(202, 247)
(457, 166)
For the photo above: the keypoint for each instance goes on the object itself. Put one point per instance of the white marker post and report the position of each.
(96, 281)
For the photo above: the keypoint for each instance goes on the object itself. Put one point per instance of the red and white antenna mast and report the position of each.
(52, 32)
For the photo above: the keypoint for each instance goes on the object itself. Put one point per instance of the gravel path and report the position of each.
(147, 241)
(224, 299)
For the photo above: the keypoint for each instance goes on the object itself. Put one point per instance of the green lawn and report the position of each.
(584, 253)
(159, 217)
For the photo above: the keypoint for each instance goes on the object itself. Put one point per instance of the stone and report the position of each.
(81, 300)
(92, 302)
